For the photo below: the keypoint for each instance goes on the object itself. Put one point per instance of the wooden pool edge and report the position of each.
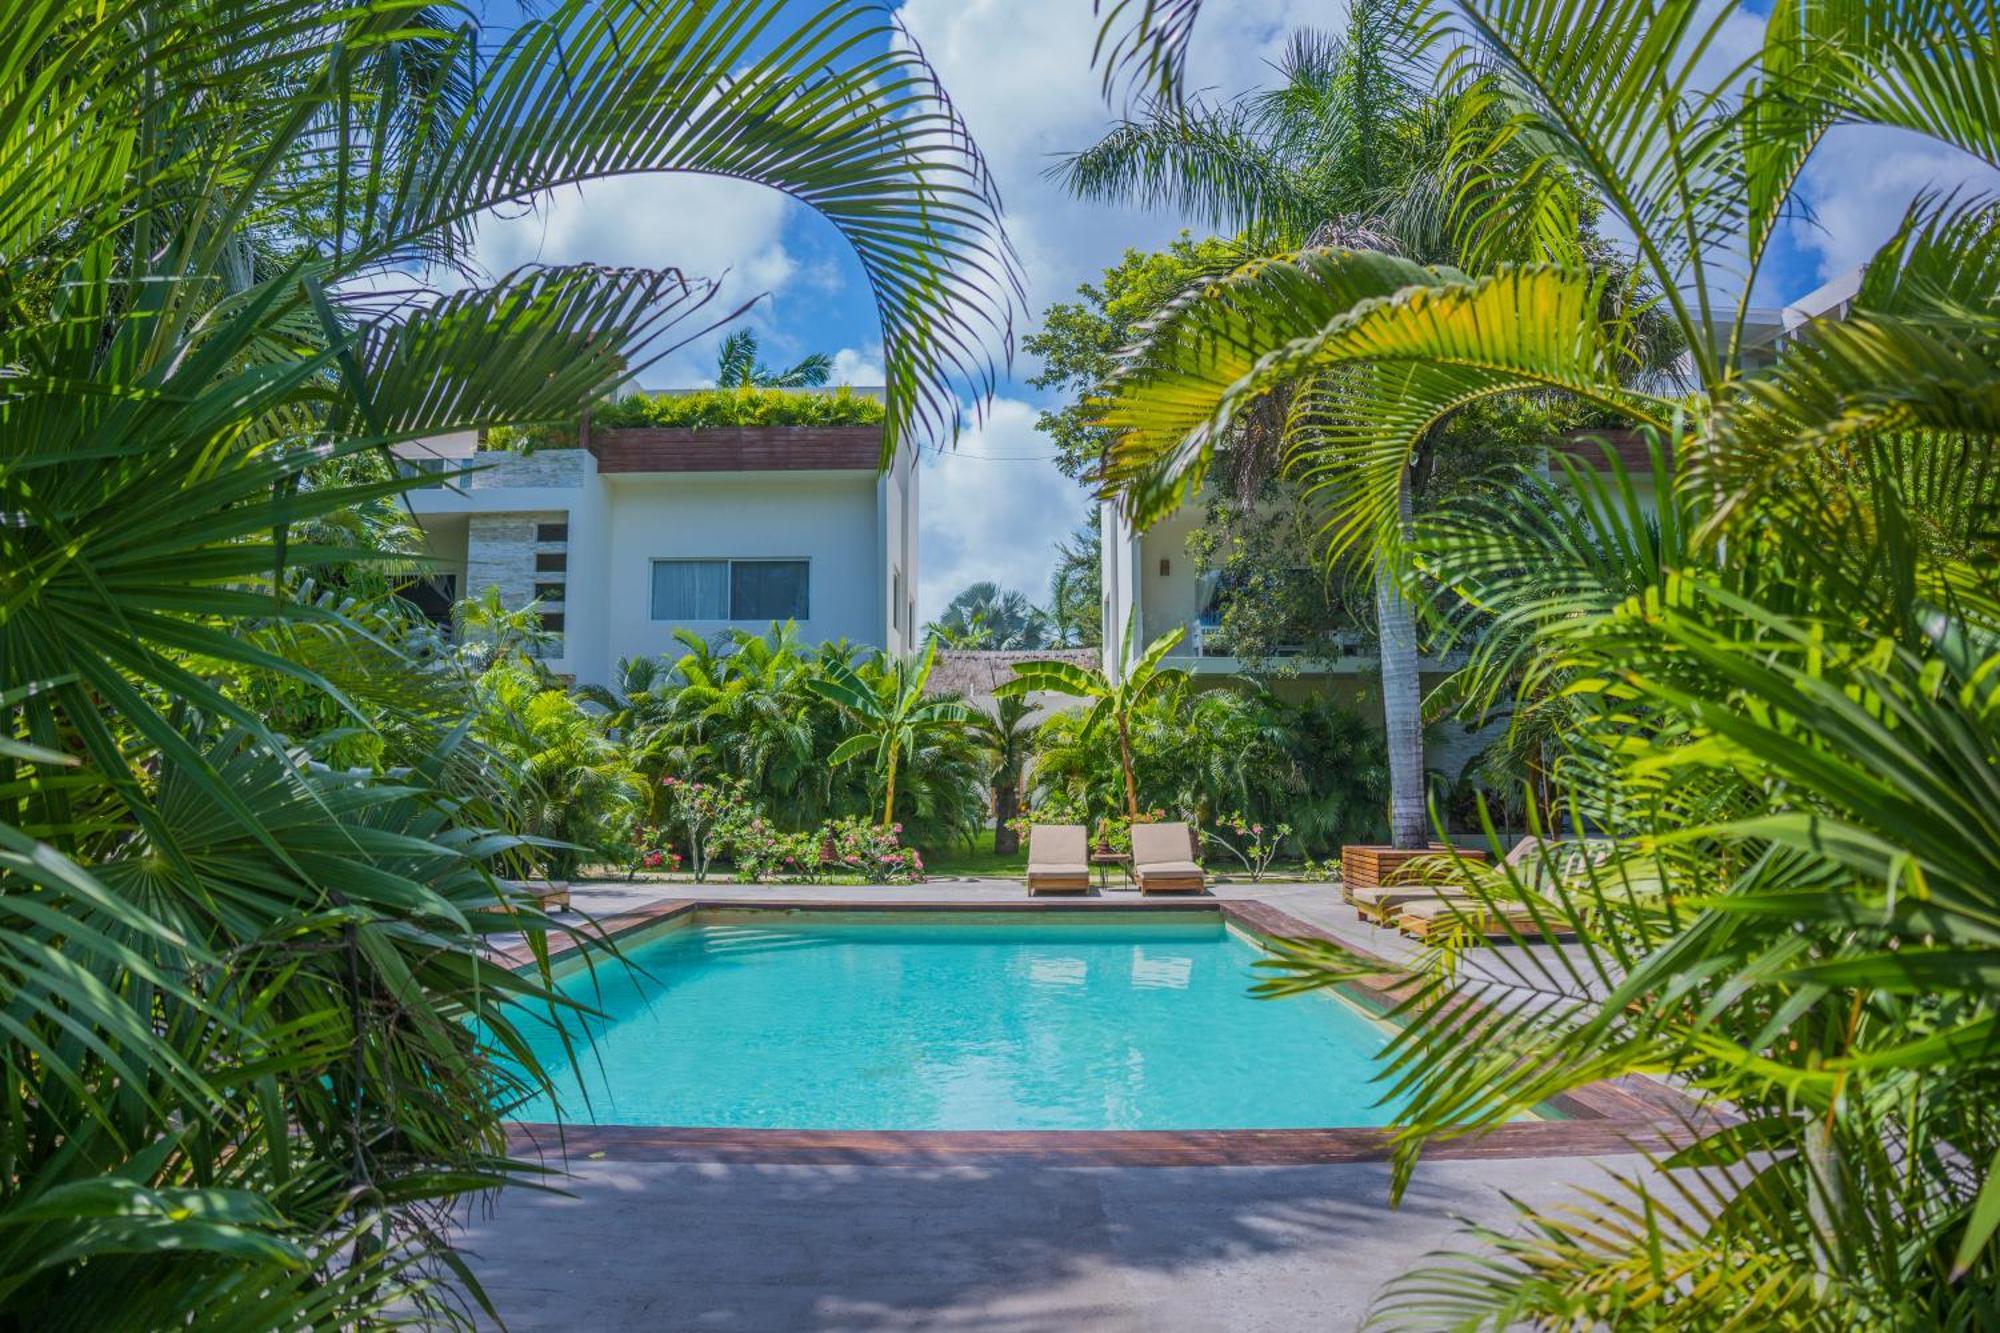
(1627, 1115)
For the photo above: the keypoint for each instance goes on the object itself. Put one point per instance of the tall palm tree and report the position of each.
(737, 367)
(1114, 701)
(1776, 681)
(240, 1090)
(1344, 146)
(890, 713)
(986, 616)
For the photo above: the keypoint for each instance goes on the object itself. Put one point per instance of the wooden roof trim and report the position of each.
(736, 448)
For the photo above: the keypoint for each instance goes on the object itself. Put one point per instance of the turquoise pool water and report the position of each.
(915, 1022)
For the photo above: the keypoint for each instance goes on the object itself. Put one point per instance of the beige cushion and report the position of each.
(1390, 895)
(1154, 845)
(1168, 870)
(1061, 848)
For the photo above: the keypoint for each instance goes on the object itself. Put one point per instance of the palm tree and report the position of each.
(1115, 701)
(1775, 681)
(890, 713)
(240, 1089)
(490, 631)
(1344, 146)
(737, 367)
(986, 616)
(1008, 733)
(1076, 588)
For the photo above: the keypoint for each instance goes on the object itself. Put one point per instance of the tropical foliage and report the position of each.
(1770, 687)
(1346, 149)
(747, 406)
(1210, 754)
(787, 724)
(737, 366)
(889, 717)
(984, 616)
(702, 409)
(1112, 700)
(247, 845)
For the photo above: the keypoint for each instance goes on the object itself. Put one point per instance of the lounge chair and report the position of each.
(1161, 860)
(1058, 858)
(1382, 905)
(1491, 920)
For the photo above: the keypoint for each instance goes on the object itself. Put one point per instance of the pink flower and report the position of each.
(895, 828)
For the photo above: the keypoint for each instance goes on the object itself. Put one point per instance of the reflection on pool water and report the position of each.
(915, 1021)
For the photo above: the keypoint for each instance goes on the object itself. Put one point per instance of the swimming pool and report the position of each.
(906, 1020)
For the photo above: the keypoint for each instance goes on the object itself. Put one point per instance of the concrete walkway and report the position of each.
(1001, 1248)
(998, 1249)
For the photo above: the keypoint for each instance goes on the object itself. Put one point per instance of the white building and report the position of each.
(1155, 574)
(646, 530)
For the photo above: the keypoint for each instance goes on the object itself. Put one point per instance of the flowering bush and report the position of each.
(1255, 845)
(704, 811)
(858, 847)
(761, 851)
(650, 850)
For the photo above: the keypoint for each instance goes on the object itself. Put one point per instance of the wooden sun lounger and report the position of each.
(1383, 905)
(1490, 920)
(1058, 859)
(1161, 862)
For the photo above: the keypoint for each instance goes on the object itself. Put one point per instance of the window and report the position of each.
(551, 562)
(548, 592)
(767, 590)
(896, 600)
(551, 532)
(552, 621)
(730, 590)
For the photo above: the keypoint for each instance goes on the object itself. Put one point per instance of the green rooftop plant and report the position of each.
(746, 405)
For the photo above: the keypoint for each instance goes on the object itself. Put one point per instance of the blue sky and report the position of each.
(1019, 71)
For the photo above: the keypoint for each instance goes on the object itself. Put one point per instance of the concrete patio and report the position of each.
(1008, 1247)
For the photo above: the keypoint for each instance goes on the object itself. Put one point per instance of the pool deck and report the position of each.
(853, 1236)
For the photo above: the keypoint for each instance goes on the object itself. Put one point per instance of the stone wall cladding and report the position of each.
(503, 469)
(500, 551)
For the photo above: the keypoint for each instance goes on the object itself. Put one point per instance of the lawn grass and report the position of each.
(954, 859)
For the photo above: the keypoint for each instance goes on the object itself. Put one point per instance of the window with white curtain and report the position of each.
(690, 590)
(753, 590)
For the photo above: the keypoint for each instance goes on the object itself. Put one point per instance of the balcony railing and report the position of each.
(435, 471)
(1205, 639)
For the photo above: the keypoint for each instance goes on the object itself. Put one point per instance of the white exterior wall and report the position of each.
(1118, 568)
(896, 527)
(857, 530)
(827, 518)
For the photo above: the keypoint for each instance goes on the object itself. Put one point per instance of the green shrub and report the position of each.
(705, 409)
(749, 406)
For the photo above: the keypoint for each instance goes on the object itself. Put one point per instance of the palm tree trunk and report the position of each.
(1006, 805)
(1402, 706)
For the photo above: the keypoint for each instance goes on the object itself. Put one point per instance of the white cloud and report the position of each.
(991, 508)
(1860, 183)
(859, 367)
(702, 225)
